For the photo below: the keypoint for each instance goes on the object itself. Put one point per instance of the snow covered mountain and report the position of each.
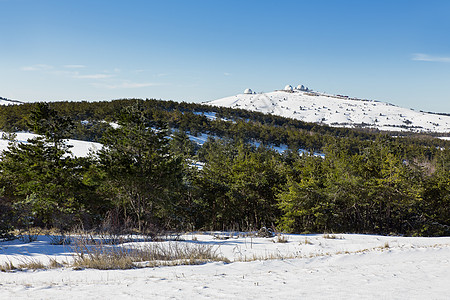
(336, 110)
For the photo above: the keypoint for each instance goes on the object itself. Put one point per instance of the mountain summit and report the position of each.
(336, 110)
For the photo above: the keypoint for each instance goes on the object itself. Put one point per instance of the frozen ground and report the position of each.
(338, 110)
(341, 266)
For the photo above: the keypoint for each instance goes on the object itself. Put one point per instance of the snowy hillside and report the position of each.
(4, 101)
(343, 266)
(337, 110)
(79, 148)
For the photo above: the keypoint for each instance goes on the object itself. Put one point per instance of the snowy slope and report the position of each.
(345, 266)
(339, 111)
(4, 101)
(79, 148)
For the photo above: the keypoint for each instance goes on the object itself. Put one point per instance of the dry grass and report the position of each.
(29, 264)
(105, 257)
(54, 264)
(97, 253)
(267, 256)
(331, 236)
(280, 239)
(272, 256)
(306, 242)
(7, 267)
(32, 264)
(278, 255)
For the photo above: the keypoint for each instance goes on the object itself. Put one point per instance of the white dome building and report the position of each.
(288, 88)
(248, 91)
(301, 87)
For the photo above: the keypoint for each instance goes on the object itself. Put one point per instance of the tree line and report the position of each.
(91, 121)
(146, 175)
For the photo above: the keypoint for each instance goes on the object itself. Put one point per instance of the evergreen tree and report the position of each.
(238, 185)
(42, 176)
(139, 168)
(303, 202)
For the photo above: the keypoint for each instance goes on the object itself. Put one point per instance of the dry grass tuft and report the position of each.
(54, 264)
(306, 242)
(280, 239)
(7, 267)
(29, 264)
(107, 257)
(32, 264)
(331, 237)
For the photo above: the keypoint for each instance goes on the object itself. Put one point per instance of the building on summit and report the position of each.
(288, 88)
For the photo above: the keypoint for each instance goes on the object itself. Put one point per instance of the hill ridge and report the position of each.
(6, 101)
(338, 110)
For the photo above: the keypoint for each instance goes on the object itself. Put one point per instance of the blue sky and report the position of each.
(393, 51)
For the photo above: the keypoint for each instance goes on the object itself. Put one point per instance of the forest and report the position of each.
(146, 178)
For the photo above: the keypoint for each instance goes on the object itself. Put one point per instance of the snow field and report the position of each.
(79, 148)
(349, 266)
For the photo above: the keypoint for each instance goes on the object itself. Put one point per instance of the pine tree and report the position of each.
(42, 175)
(139, 168)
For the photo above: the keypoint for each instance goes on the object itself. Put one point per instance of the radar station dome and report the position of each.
(301, 87)
(288, 88)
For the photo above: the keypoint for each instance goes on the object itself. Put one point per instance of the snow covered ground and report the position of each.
(4, 101)
(339, 111)
(79, 148)
(341, 266)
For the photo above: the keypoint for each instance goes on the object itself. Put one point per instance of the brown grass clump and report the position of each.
(331, 236)
(30, 264)
(280, 239)
(7, 267)
(306, 242)
(107, 257)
